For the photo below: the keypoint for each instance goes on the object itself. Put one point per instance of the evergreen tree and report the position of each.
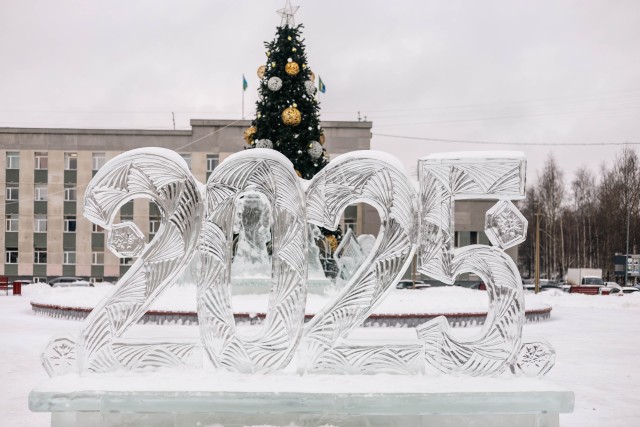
(287, 111)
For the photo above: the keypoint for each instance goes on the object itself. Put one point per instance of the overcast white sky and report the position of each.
(505, 71)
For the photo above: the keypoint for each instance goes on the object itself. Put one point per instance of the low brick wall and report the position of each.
(408, 320)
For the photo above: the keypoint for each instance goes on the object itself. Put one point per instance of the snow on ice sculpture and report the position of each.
(379, 180)
(162, 176)
(270, 174)
(445, 178)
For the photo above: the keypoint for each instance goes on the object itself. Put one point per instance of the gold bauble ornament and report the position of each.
(321, 139)
(249, 134)
(333, 243)
(261, 70)
(293, 49)
(289, 38)
(298, 173)
(291, 116)
(292, 68)
(312, 76)
(273, 64)
(304, 66)
(268, 53)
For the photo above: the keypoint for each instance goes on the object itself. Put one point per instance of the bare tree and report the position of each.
(584, 193)
(551, 195)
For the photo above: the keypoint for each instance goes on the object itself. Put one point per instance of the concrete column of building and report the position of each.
(199, 166)
(3, 186)
(111, 262)
(84, 227)
(55, 213)
(141, 215)
(25, 233)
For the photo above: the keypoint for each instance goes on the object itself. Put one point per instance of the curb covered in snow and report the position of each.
(375, 320)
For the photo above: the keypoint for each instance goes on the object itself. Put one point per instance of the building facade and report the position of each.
(44, 172)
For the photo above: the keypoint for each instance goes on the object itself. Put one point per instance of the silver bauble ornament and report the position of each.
(275, 83)
(264, 143)
(315, 149)
(310, 87)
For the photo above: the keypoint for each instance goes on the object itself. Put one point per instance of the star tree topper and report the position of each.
(287, 13)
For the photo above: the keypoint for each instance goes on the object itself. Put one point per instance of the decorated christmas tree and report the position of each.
(287, 111)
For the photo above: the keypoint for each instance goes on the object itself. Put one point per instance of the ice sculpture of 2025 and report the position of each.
(197, 220)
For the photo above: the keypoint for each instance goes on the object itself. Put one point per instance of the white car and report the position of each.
(71, 283)
(624, 290)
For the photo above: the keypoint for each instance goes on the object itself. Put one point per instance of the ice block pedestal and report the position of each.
(189, 398)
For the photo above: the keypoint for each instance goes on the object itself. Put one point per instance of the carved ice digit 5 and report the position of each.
(445, 178)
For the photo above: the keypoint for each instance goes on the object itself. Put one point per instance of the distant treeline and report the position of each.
(584, 222)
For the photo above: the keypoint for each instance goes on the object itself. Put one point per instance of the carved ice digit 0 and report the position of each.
(162, 176)
(378, 179)
(269, 174)
(445, 178)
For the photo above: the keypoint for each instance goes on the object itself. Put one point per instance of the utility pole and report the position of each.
(626, 255)
(173, 117)
(537, 276)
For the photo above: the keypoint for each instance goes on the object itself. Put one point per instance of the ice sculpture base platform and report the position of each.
(197, 398)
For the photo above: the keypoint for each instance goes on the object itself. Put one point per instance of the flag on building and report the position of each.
(321, 87)
(244, 83)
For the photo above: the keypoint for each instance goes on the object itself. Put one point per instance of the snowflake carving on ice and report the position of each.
(535, 359)
(59, 357)
(505, 225)
(126, 240)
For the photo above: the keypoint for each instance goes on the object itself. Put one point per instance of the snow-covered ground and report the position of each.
(596, 339)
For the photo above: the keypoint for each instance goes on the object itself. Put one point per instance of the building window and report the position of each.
(187, 158)
(13, 222)
(97, 229)
(212, 162)
(473, 238)
(12, 193)
(41, 160)
(39, 256)
(68, 257)
(40, 224)
(11, 256)
(13, 160)
(350, 218)
(126, 218)
(40, 192)
(70, 224)
(97, 258)
(126, 261)
(96, 279)
(70, 193)
(70, 161)
(154, 224)
(98, 160)
(39, 280)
